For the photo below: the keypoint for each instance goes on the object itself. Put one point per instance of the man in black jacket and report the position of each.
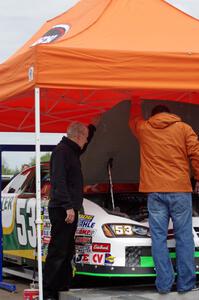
(66, 200)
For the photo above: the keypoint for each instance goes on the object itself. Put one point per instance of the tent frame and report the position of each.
(38, 189)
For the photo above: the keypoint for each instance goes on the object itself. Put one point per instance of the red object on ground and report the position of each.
(31, 294)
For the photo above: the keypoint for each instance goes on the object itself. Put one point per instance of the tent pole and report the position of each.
(38, 189)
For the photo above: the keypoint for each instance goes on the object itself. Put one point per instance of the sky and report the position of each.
(19, 20)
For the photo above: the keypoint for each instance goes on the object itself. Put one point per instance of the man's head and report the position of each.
(159, 109)
(78, 132)
(24, 167)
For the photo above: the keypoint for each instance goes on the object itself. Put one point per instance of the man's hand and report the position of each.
(196, 189)
(135, 116)
(70, 216)
(136, 108)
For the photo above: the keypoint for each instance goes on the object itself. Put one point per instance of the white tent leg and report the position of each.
(38, 189)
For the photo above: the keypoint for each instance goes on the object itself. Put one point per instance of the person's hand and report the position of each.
(196, 189)
(70, 216)
(135, 111)
(136, 100)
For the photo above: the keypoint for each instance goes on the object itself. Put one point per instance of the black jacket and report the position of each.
(66, 175)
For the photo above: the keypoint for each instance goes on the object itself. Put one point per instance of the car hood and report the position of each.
(114, 140)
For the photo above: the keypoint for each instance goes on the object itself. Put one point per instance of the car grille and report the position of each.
(142, 257)
(132, 256)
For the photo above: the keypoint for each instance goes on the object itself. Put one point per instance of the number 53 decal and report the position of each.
(25, 222)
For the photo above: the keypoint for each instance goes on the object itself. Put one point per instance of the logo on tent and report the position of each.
(55, 33)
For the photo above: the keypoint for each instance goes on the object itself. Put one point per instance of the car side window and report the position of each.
(45, 181)
(18, 183)
(45, 176)
(25, 182)
(28, 186)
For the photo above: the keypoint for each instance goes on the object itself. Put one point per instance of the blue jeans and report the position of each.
(178, 207)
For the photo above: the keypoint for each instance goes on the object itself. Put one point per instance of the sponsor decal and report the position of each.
(46, 240)
(46, 232)
(140, 230)
(82, 258)
(44, 250)
(101, 247)
(55, 33)
(83, 249)
(8, 205)
(84, 231)
(19, 220)
(19, 228)
(86, 217)
(98, 258)
(82, 240)
(86, 221)
(109, 259)
(122, 230)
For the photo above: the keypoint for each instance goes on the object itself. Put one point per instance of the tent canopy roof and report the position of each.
(121, 26)
(97, 54)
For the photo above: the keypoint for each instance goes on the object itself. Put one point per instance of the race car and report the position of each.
(5, 179)
(109, 241)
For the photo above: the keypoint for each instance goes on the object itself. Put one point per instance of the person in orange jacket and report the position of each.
(167, 146)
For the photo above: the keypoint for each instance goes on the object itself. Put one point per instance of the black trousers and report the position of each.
(58, 270)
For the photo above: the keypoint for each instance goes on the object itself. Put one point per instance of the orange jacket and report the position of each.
(167, 145)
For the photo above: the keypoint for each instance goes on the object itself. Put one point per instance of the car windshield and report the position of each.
(45, 179)
(18, 183)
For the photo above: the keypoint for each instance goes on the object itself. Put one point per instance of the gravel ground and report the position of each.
(92, 288)
(21, 284)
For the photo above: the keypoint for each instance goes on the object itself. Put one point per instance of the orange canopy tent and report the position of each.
(96, 54)
(88, 59)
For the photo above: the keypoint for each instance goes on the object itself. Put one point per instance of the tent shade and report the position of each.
(97, 54)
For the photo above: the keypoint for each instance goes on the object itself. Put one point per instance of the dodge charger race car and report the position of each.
(109, 242)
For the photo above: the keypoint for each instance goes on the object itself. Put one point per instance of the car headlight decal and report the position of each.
(107, 230)
(125, 230)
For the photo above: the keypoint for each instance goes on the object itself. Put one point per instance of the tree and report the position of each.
(44, 158)
(5, 169)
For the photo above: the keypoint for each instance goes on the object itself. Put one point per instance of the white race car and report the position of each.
(109, 242)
